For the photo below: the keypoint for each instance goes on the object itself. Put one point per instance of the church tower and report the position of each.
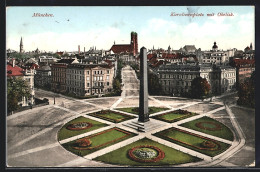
(21, 45)
(134, 43)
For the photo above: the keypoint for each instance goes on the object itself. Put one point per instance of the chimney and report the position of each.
(79, 48)
(84, 50)
(13, 62)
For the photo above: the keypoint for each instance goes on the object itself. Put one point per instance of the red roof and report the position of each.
(169, 56)
(60, 53)
(121, 48)
(239, 62)
(31, 66)
(149, 56)
(14, 71)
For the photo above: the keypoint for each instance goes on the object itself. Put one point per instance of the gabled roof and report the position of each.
(120, 48)
(14, 71)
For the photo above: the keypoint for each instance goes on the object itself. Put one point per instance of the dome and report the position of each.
(215, 45)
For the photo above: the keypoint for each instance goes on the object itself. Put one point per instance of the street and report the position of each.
(32, 134)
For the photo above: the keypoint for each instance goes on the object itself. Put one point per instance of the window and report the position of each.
(95, 72)
(98, 72)
(87, 78)
(88, 84)
(95, 78)
(88, 72)
(107, 77)
(107, 83)
(101, 78)
(107, 71)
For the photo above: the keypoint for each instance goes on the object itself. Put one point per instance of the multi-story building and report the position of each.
(42, 77)
(89, 79)
(27, 75)
(176, 78)
(244, 69)
(58, 71)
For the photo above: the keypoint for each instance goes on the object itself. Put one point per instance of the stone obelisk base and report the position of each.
(143, 126)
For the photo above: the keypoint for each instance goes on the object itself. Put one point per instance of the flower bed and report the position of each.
(146, 153)
(82, 144)
(202, 126)
(185, 114)
(86, 139)
(205, 145)
(101, 114)
(79, 126)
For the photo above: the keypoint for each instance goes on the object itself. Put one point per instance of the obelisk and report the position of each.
(143, 94)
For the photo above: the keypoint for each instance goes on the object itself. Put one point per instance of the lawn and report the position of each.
(134, 110)
(224, 132)
(111, 116)
(172, 156)
(65, 133)
(192, 141)
(99, 141)
(174, 116)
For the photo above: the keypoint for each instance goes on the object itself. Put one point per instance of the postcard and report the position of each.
(130, 86)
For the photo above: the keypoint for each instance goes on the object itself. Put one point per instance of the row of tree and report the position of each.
(246, 92)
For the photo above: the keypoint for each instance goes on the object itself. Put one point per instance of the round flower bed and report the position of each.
(212, 126)
(146, 153)
(208, 144)
(79, 126)
(82, 144)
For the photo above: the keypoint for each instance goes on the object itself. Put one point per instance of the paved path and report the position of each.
(130, 91)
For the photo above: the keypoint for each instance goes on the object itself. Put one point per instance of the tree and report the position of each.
(199, 87)
(246, 92)
(154, 86)
(17, 88)
(117, 87)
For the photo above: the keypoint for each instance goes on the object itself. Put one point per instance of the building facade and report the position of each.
(176, 78)
(58, 71)
(89, 79)
(43, 76)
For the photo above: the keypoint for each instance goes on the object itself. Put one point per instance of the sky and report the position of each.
(100, 26)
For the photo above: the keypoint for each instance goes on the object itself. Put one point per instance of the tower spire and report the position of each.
(21, 45)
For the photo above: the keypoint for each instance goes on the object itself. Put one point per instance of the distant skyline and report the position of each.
(100, 26)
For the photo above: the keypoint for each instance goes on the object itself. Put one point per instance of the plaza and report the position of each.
(32, 135)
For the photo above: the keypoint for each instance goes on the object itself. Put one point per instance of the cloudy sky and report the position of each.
(101, 26)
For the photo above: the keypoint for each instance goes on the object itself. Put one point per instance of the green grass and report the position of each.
(112, 116)
(64, 133)
(151, 110)
(172, 156)
(224, 133)
(98, 140)
(190, 139)
(173, 117)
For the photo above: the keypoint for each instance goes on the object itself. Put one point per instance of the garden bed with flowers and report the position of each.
(111, 116)
(78, 126)
(94, 142)
(146, 152)
(135, 110)
(210, 126)
(193, 141)
(174, 116)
